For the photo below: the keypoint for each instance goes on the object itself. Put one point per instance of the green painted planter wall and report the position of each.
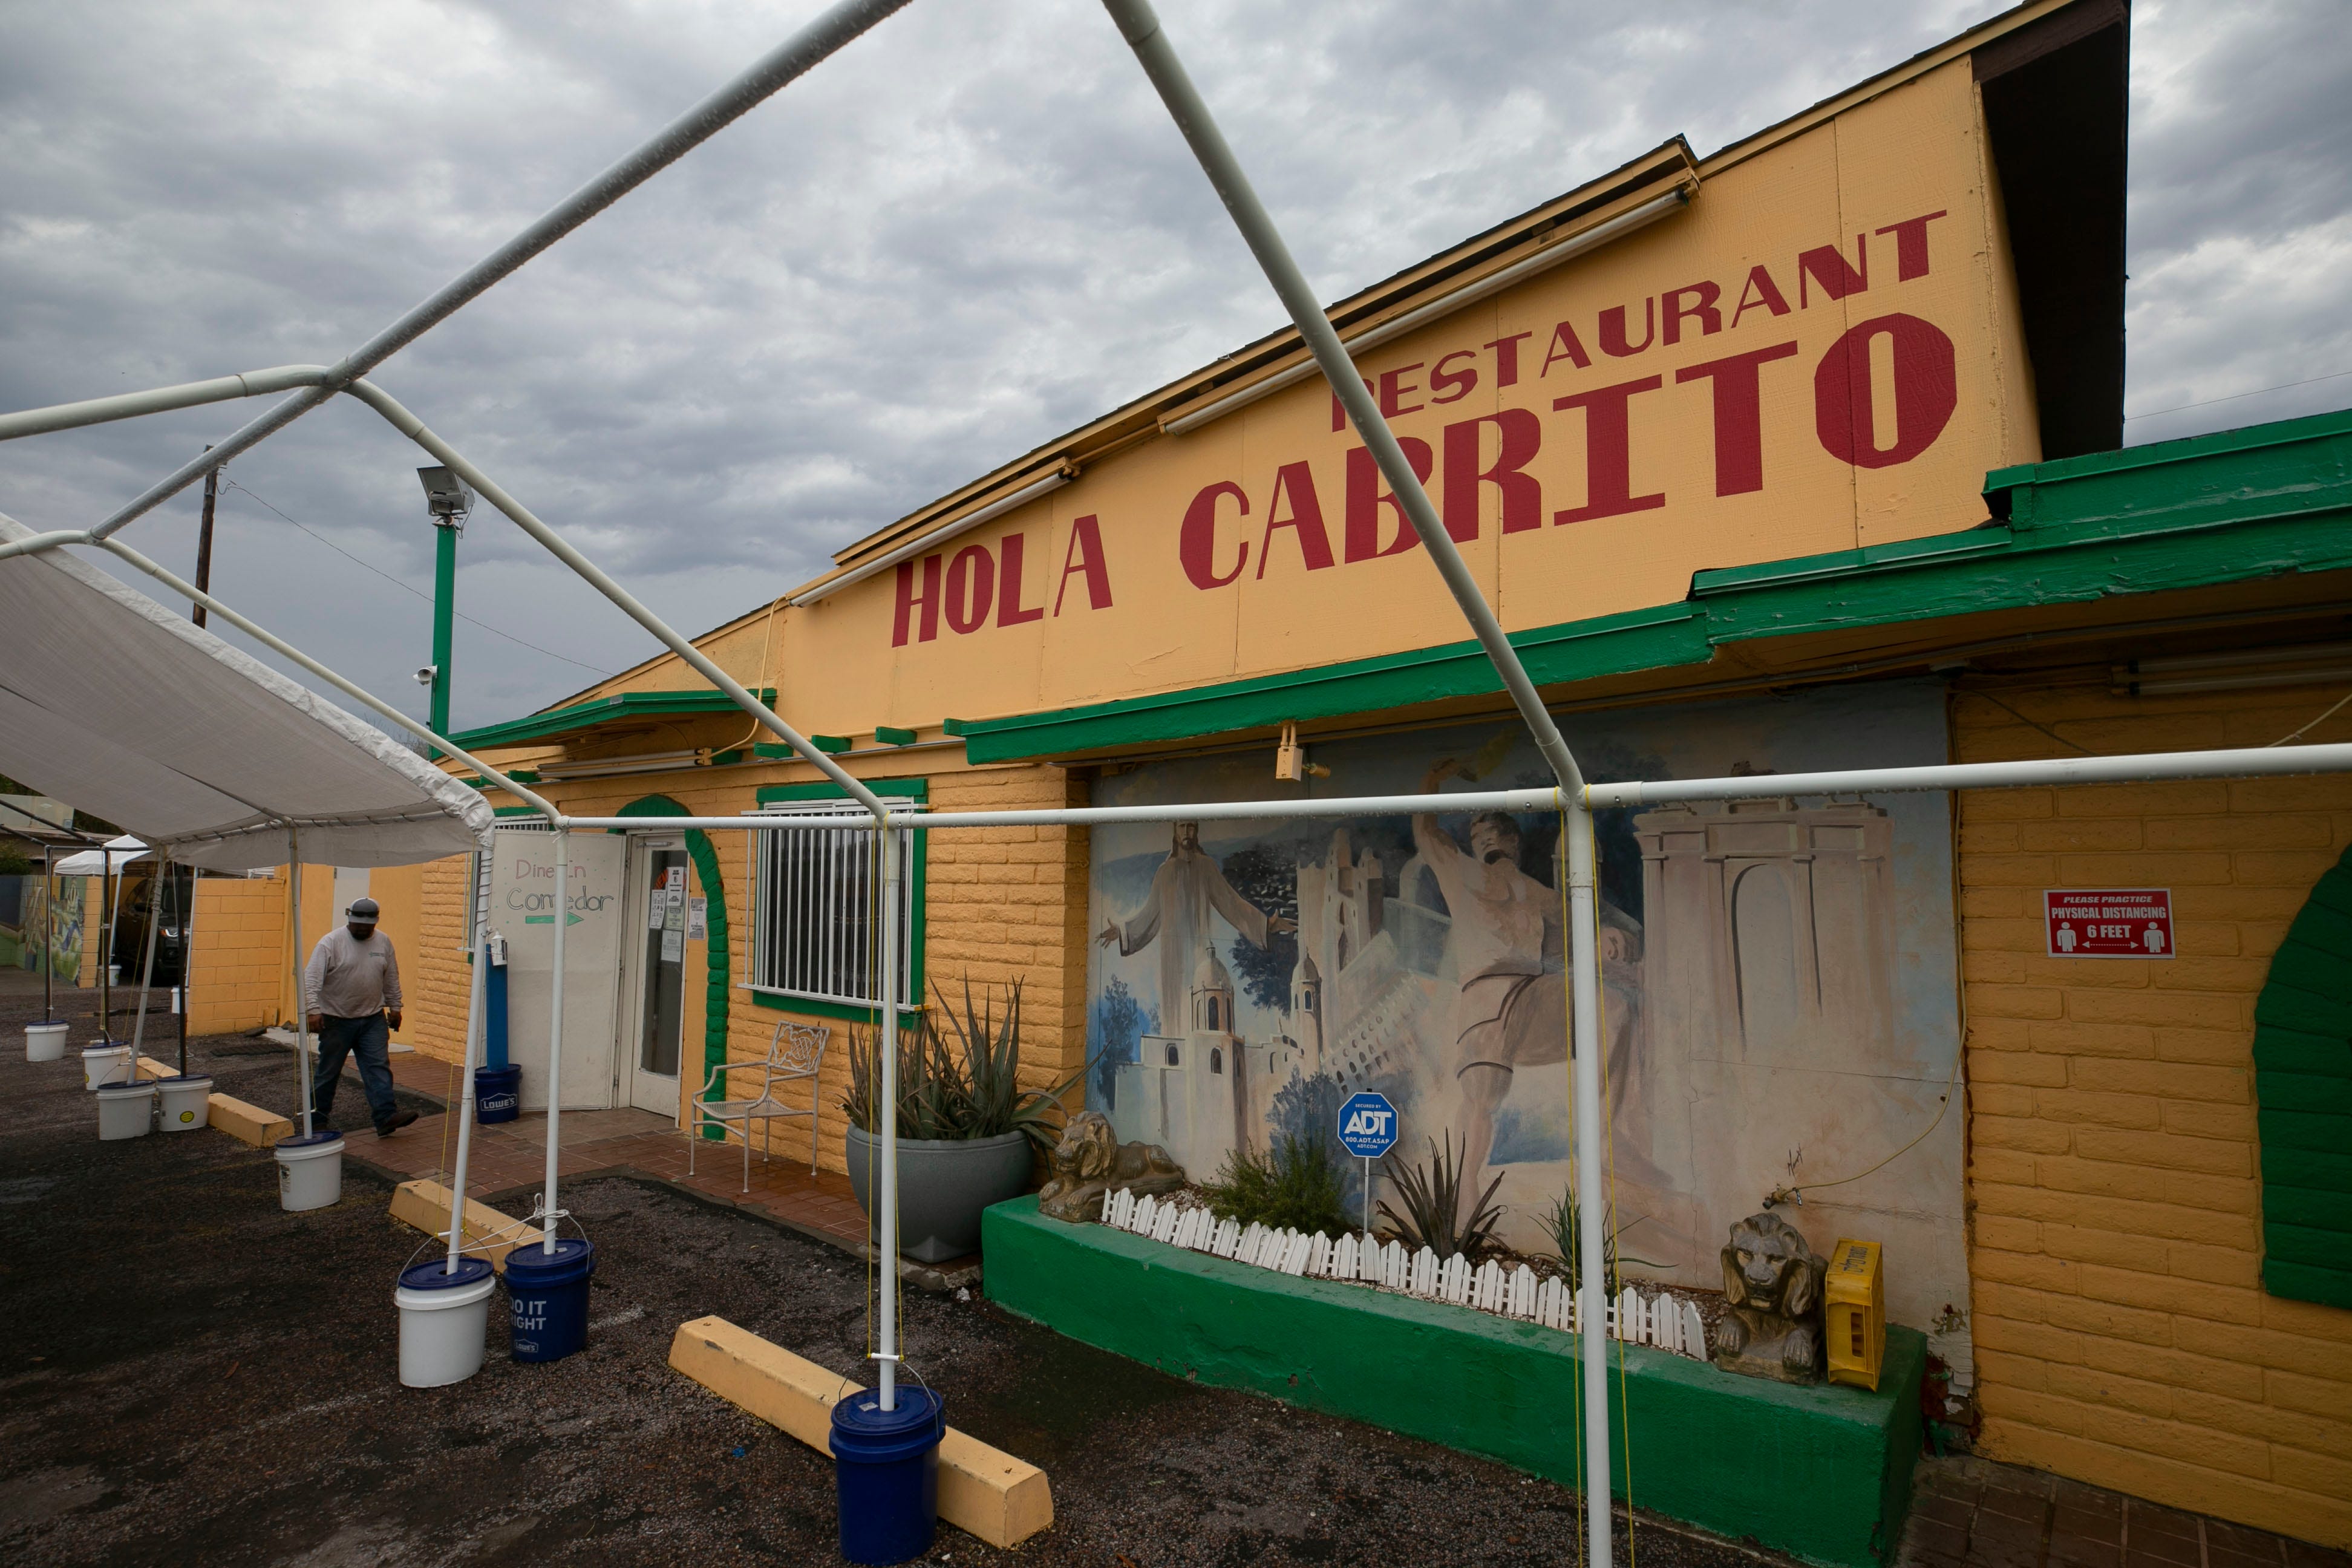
(1821, 1473)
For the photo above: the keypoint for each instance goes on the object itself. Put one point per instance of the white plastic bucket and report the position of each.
(126, 1110)
(102, 1065)
(442, 1321)
(45, 1042)
(187, 1103)
(309, 1172)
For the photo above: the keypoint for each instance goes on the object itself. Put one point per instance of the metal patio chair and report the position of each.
(795, 1051)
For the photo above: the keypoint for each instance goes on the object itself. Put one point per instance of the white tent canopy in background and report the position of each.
(135, 715)
(91, 863)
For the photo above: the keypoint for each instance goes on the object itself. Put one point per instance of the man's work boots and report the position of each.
(400, 1118)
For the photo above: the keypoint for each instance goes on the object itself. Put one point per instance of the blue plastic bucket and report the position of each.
(885, 1472)
(498, 1094)
(547, 1298)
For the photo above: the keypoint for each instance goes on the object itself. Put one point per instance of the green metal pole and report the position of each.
(445, 610)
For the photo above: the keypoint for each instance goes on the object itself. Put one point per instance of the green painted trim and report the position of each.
(912, 789)
(830, 746)
(918, 899)
(778, 1002)
(2303, 1099)
(1823, 1473)
(716, 950)
(519, 775)
(583, 716)
(2234, 506)
(890, 736)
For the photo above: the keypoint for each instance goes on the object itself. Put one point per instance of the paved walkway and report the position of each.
(510, 1159)
(1974, 1513)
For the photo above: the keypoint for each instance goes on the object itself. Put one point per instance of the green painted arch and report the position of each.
(720, 993)
(2302, 1091)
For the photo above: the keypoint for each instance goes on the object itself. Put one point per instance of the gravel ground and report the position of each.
(190, 1373)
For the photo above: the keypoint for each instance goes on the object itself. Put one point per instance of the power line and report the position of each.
(410, 588)
(2208, 403)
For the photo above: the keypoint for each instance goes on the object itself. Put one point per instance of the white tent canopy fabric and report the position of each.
(135, 715)
(94, 863)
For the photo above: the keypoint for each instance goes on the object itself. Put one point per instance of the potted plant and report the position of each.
(966, 1127)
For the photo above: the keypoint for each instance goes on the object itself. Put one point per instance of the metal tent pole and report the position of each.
(466, 1092)
(188, 957)
(555, 1028)
(106, 945)
(1141, 29)
(147, 964)
(887, 1114)
(301, 1002)
(49, 935)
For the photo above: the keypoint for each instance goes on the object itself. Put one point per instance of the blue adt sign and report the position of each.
(1368, 1125)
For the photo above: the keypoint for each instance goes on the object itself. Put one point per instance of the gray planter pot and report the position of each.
(943, 1184)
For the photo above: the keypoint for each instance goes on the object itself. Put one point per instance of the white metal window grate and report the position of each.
(818, 892)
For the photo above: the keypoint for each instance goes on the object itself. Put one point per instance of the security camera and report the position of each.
(446, 496)
(427, 673)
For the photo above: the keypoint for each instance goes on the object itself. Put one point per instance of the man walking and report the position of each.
(352, 981)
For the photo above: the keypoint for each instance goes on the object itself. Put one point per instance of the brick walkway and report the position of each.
(510, 1158)
(1973, 1513)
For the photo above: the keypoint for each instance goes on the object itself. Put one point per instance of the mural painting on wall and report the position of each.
(35, 911)
(1778, 978)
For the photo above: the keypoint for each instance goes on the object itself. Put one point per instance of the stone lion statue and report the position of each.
(1772, 1283)
(1090, 1161)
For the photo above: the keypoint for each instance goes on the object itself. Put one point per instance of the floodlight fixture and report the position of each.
(447, 496)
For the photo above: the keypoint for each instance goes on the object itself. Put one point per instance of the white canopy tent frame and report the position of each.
(1573, 795)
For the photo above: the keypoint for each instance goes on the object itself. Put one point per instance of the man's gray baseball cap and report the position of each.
(363, 913)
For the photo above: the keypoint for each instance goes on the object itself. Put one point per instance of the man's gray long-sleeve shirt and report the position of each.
(348, 978)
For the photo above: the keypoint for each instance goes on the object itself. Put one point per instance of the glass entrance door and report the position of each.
(658, 869)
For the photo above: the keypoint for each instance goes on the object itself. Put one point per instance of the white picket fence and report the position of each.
(1666, 1322)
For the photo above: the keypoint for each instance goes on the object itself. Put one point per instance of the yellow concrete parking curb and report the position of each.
(424, 1204)
(248, 1123)
(1002, 1500)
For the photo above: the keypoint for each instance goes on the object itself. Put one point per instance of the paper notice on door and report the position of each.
(672, 946)
(674, 917)
(698, 919)
(674, 878)
(656, 907)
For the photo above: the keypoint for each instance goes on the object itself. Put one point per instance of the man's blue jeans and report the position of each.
(370, 1040)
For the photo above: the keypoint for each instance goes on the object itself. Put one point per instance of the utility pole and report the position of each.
(449, 499)
(205, 539)
(445, 611)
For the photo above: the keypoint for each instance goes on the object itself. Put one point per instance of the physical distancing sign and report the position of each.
(2109, 922)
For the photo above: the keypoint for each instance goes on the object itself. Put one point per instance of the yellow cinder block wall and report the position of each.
(237, 967)
(2123, 1336)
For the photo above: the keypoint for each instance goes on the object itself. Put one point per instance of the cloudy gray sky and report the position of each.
(973, 231)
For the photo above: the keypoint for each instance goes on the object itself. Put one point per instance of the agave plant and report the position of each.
(956, 1087)
(1562, 1222)
(1434, 1215)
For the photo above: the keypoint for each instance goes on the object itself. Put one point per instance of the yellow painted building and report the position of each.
(1801, 454)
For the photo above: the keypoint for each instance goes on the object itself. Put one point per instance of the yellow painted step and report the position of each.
(1002, 1500)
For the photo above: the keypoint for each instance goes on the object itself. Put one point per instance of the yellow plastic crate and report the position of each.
(1855, 1301)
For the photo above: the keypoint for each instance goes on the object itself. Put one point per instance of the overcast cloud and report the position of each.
(970, 231)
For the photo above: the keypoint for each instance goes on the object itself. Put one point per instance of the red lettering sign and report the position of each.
(2109, 922)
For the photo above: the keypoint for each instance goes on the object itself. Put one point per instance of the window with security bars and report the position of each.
(816, 928)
